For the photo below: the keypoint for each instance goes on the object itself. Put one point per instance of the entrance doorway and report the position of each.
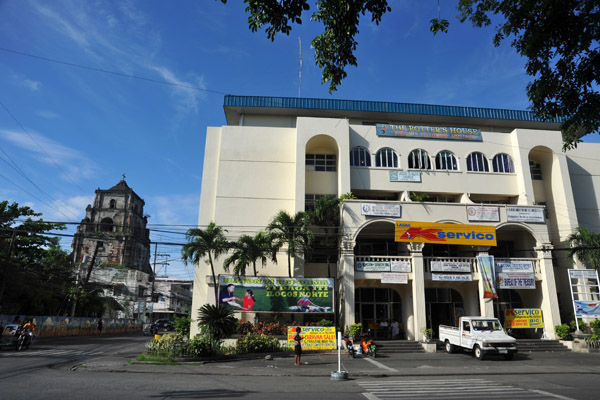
(374, 305)
(443, 307)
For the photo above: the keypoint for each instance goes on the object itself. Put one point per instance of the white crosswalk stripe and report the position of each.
(49, 352)
(448, 389)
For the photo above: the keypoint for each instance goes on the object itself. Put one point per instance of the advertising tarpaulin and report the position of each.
(486, 270)
(313, 337)
(586, 308)
(515, 275)
(277, 295)
(520, 318)
(463, 234)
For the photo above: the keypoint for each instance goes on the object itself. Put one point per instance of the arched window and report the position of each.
(106, 225)
(113, 203)
(503, 163)
(445, 160)
(360, 157)
(386, 158)
(418, 159)
(477, 162)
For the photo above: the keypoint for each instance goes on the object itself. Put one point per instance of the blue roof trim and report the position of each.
(379, 106)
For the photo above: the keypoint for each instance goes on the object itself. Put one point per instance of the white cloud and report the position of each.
(176, 209)
(186, 95)
(32, 85)
(73, 207)
(74, 163)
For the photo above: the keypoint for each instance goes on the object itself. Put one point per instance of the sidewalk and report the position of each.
(322, 365)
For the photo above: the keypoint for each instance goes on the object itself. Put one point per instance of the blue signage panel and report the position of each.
(429, 132)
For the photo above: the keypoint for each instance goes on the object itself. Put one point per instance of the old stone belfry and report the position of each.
(112, 250)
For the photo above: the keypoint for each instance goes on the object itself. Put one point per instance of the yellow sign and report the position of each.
(313, 337)
(426, 232)
(519, 318)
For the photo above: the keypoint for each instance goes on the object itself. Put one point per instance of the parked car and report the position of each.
(164, 324)
(482, 335)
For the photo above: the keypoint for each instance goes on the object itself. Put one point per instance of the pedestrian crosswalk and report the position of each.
(448, 389)
(61, 353)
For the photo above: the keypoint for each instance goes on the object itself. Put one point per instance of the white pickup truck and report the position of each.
(483, 335)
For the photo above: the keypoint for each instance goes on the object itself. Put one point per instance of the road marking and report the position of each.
(557, 396)
(380, 365)
(449, 389)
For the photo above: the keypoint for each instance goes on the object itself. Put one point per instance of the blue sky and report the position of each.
(67, 130)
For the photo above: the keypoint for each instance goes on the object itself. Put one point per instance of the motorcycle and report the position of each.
(368, 346)
(24, 340)
(349, 346)
(13, 335)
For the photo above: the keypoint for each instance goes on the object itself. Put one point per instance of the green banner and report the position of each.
(277, 295)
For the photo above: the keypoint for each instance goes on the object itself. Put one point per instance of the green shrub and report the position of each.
(583, 327)
(592, 338)
(182, 325)
(562, 331)
(256, 344)
(203, 346)
(325, 322)
(354, 330)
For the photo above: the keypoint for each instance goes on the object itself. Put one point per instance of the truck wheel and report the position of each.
(478, 352)
(509, 356)
(449, 347)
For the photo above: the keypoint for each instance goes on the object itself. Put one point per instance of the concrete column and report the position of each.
(486, 306)
(418, 292)
(346, 284)
(550, 310)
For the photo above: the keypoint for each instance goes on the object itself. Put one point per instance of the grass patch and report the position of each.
(155, 359)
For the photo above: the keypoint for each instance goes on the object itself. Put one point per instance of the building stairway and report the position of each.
(535, 345)
(398, 346)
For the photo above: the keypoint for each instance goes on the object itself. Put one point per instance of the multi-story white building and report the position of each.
(408, 163)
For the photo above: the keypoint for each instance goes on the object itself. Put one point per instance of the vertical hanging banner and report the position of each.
(486, 270)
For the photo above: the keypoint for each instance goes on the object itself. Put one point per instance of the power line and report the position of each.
(106, 71)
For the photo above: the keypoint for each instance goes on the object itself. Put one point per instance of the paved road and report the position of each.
(102, 368)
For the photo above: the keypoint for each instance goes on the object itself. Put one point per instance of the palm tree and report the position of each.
(326, 217)
(586, 246)
(248, 250)
(290, 230)
(218, 319)
(209, 243)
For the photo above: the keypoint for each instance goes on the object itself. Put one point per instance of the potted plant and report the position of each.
(428, 333)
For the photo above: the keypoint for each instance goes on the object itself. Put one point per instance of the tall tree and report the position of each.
(326, 219)
(290, 230)
(210, 243)
(248, 250)
(559, 39)
(38, 271)
(585, 245)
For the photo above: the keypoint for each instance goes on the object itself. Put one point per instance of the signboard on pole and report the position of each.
(313, 337)
(585, 292)
(277, 295)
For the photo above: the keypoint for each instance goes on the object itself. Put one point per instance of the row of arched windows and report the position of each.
(420, 159)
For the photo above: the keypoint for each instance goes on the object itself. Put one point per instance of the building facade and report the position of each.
(112, 250)
(407, 164)
(171, 298)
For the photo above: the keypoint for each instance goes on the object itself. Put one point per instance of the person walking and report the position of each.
(298, 347)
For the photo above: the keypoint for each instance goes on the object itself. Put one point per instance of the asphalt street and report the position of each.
(105, 368)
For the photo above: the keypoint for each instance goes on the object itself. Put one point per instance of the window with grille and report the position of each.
(360, 157)
(418, 159)
(446, 161)
(321, 162)
(503, 163)
(476, 162)
(536, 171)
(310, 200)
(386, 158)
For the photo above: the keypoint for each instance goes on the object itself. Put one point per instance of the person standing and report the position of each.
(385, 326)
(395, 330)
(298, 347)
(100, 325)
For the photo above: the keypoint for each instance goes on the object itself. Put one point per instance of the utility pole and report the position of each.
(154, 277)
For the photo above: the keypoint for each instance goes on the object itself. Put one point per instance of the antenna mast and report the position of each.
(300, 71)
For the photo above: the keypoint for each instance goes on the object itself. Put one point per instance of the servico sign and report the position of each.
(462, 234)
